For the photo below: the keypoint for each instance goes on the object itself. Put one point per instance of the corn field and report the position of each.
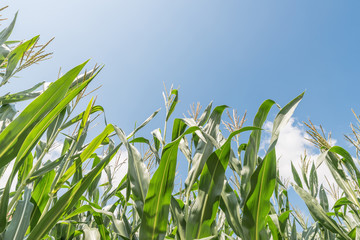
(230, 191)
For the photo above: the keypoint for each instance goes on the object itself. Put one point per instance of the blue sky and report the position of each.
(234, 52)
(237, 53)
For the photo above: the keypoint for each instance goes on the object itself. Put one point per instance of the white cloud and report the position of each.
(291, 146)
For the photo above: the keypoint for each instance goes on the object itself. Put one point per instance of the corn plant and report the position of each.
(63, 198)
(340, 221)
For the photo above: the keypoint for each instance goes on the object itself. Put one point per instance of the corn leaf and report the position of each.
(14, 135)
(230, 204)
(15, 56)
(252, 148)
(156, 209)
(68, 200)
(318, 213)
(5, 34)
(204, 150)
(203, 212)
(138, 174)
(21, 219)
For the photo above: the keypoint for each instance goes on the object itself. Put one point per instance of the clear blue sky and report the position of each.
(234, 52)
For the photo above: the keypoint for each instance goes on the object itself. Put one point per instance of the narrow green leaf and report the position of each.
(262, 182)
(94, 144)
(324, 203)
(36, 133)
(252, 148)
(319, 214)
(173, 104)
(313, 181)
(79, 117)
(15, 56)
(204, 150)
(40, 196)
(68, 200)
(5, 34)
(14, 135)
(178, 215)
(85, 118)
(205, 115)
(339, 175)
(257, 204)
(21, 96)
(230, 204)
(158, 198)
(7, 114)
(203, 212)
(138, 174)
(296, 176)
(21, 219)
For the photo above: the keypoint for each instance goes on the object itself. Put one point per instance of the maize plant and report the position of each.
(63, 197)
(340, 221)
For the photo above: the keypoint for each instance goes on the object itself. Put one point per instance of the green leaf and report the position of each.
(173, 104)
(274, 226)
(348, 162)
(203, 212)
(94, 144)
(318, 213)
(204, 150)
(178, 215)
(339, 175)
(79, 117)
(296, 176)
(85, 118)
(5, 34)
(252, 148)
(21, 219)
(205, 115)
(14, 135)
(158, 198)
(257, 204)
(36, 133)
(262, 182)
(313, 181)
(21, 96)
(15, 56)
(40, 196)
(324, 203)
(230, 205)
(68, 200)
(7, 114)
(138, 174)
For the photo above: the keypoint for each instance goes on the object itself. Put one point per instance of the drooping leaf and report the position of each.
(204, 150)
(138, 174)
(203, 212)
(5, 34)
(21, 219)
(230, 204)
(14, 135)
(68, 200)
(319, 214)
(15, 56)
